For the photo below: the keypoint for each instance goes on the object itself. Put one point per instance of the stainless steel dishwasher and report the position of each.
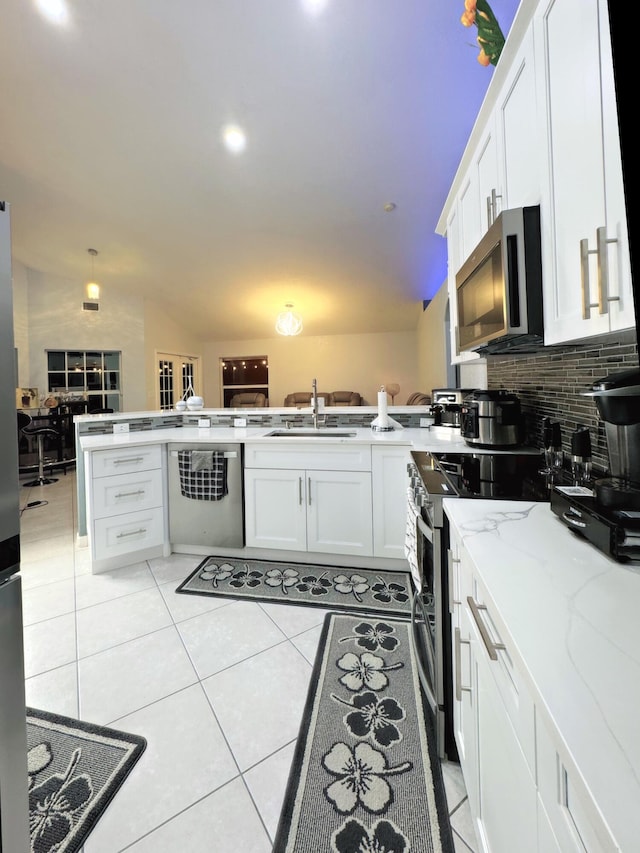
(205, 495)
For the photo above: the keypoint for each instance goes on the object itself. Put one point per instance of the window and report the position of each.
(93, 375)
(250, 373)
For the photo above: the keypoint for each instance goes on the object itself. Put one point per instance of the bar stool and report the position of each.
(40, 433)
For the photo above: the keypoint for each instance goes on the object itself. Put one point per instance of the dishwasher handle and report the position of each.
(228, 454)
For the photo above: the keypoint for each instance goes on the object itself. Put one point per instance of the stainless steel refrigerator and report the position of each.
(14, 804)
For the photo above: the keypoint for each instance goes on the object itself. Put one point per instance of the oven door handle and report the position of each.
(425, 681)
(424, 528)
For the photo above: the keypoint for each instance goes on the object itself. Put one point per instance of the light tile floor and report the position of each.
(216, 687)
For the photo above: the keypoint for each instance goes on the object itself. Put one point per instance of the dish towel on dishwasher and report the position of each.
(203, 474)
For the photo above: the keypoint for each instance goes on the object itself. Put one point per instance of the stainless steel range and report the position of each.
(434, 476)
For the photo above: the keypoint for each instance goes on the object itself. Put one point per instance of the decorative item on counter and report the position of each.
(190, 399)
(383, 423)
(194, 403)
(581, 455)
(490, 37)
(393, 389)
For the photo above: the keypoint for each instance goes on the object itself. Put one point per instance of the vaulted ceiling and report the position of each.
(111, 139)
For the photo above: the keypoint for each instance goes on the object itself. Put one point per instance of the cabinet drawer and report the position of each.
(132, 532)
(127, 493)
(508, 679)
(572, 813)
(322, 457)
(124, 460)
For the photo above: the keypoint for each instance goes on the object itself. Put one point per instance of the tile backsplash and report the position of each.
(549, 384)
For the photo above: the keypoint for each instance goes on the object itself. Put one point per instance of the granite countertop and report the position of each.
(572, 619)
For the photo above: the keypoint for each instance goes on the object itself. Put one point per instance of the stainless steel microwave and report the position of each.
(499, 287)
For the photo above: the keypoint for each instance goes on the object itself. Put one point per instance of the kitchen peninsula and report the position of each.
(345, 443)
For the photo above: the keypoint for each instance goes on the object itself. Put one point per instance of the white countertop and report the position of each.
(572, 617)
(433, 438)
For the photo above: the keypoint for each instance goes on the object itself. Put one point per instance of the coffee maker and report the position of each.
(446, 405)
(609, 515)
(617, 398)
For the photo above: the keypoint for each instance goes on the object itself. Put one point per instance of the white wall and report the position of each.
(164, 334)
(56, 321)
(48, 315)
(432, 344)
(359, 363)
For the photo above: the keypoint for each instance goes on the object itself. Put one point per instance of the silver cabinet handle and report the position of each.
(130, 494)
(491, 647)
(584, 279)
(492, 206)
(603, 269)
(128, 459)
(451, 560)
(457, 644)
(132, 533)
(300, 490)
(309, 494)
(603, 274)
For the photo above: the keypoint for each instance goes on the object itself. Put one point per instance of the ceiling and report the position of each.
(111, 139)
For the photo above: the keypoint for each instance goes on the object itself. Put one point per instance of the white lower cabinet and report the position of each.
(498, 773)
(310, 508)
(506, 817)
(567, 813)
(126, 500)
(525, 792)
(389, 484)
(464, 701)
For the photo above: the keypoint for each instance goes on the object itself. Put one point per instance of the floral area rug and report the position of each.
(335, 588)
(75, 768)
(365, 776)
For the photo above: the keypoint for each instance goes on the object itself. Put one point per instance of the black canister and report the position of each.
(581, 454)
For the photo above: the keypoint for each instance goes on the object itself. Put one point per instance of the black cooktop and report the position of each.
(502, 476)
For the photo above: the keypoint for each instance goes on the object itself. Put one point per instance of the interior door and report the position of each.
(175, 374)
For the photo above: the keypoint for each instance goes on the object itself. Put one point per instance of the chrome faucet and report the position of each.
(314, 403)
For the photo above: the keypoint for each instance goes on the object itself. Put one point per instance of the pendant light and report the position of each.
(288, 322)
(92, 287)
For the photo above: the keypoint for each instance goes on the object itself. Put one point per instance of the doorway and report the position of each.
(176, 375)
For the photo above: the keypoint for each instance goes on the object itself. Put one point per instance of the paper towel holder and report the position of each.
(382, 423)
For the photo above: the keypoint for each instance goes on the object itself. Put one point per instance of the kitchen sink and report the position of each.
(309, 433)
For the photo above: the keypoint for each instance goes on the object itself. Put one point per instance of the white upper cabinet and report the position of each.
(587, 277)
(547, 134)
(518, 132)
(499, 168)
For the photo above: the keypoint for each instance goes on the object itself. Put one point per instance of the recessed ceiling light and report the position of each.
(55, 11)
(234, 138)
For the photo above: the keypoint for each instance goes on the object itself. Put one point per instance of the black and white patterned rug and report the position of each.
(75, 769)
(335, 588)
(365, 775)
